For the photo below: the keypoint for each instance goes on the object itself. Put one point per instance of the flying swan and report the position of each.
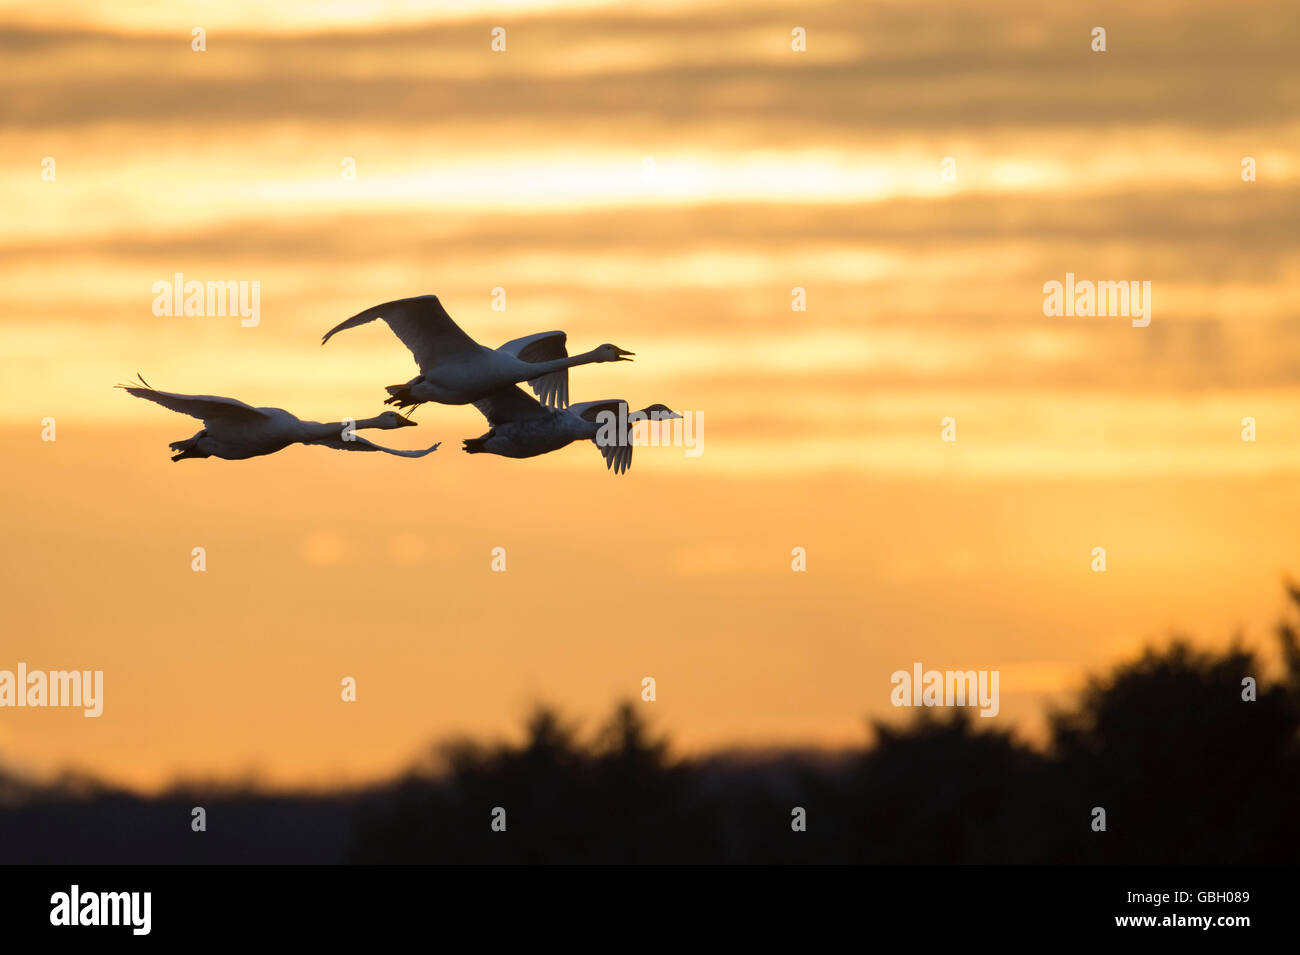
(234, 430)
(523, 428)
(456, 370)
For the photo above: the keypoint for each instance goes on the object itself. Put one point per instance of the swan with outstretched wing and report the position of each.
(456, 370)
(524, 428)
(234, 430)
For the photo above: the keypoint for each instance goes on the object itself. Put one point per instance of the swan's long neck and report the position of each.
(559, 364)
(333, 429)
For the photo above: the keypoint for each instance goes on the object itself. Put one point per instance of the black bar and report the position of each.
(950, 904)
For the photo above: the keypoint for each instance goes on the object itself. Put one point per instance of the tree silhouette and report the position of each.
(1187, 770)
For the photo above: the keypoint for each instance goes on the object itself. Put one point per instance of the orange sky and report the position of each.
(661, 181)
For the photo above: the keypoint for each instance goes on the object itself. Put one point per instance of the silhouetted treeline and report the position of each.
(1186, 770)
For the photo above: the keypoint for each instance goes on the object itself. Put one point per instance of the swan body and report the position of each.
(456, 370)
(234, 431)
(524, 428)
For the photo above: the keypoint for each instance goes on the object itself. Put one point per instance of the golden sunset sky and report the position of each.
(659, 176)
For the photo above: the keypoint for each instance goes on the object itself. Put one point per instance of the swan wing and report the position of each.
(618, 457)
(553, 387)
(422, 325)
(207, 407)
(508, 404)
(358, 443)
(590, 410)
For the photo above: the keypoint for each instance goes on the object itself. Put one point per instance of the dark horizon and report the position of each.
(1169, 728)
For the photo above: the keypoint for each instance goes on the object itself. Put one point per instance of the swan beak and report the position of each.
(406, 422)
(621, 353)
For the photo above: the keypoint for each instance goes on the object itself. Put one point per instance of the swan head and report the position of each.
(391, 419)
(657, 412)
(612, 353)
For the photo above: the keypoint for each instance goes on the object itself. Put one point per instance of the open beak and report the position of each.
(621, 353)
(406, 422)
